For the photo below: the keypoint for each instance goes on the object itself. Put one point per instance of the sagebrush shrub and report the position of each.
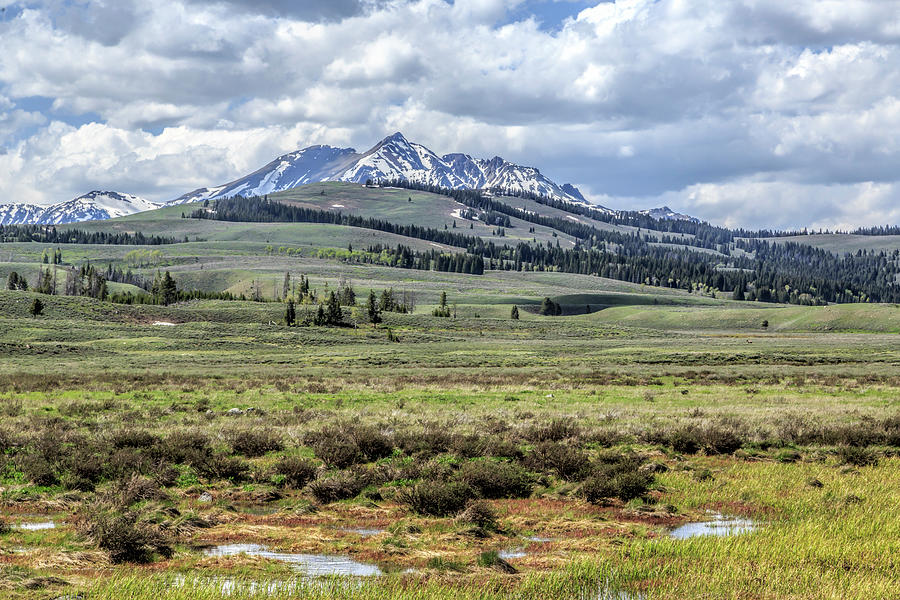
(222, 466)
(568, 462)
(493, 479)
(554, 431)
(617, 476)
(858, 457)
(254, 442)
(295, 471)
(124, 536)
(342, 485)
(438, 498)
(132, 438)
(480, 514)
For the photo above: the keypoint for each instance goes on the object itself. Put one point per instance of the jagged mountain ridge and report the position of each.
(93, 206)
(17, 214)
(394, 157)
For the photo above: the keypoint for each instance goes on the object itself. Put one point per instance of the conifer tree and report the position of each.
(290, 314)
(514, 313)
(333, 313)
(36, 308)
(372, 310)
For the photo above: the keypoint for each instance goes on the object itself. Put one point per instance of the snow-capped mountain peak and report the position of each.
(394, 157)
(93, 206)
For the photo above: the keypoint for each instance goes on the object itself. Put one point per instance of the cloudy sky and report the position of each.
(742, 112)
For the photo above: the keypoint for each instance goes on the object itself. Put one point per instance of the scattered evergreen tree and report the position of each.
(372, 311)
(290, 314)
(286, 288)
(169, 289)
(45, 282)
(320, 318)
(16, 282)
(36, 308)
(346, 294)
(304, 286)
(333, 313)
(514, 313)
(550, 308)
(442, 310)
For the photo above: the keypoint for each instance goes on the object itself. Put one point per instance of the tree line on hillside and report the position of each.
(879, 230)
(704, 234)
(262, 210)
(51, 235)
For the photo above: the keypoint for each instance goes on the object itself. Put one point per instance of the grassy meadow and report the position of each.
(473, 456)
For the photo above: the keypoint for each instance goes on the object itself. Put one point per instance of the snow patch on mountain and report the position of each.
(14, 214)
(93, 206)
(394, 157)
(664, 213)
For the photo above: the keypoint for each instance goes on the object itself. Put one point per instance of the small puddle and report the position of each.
(37, 526)
(720, 525)
(510, 554)
(311, 565)
(363, 531)
(539, 540)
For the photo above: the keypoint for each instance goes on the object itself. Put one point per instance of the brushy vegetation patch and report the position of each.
(438, 498)
(617, 476)
(125, 535)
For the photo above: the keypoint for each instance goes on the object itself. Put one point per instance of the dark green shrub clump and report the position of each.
(138, 489)
(722, 437)
(132, 438)
(469, 446)
(222, 466)
(183, 447)
(337, 451)
(434, 439)
(617, 476)
(438, 498)
(125, 537)
(858, 457)
(8, 440)
(493, 479)
(255, 442)
(566, 461)
(295, 472)
(373, 444)
(346, 445)
(37, 469)
(340, 486)
(554, 431)
(501, 447)
(480, 514)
